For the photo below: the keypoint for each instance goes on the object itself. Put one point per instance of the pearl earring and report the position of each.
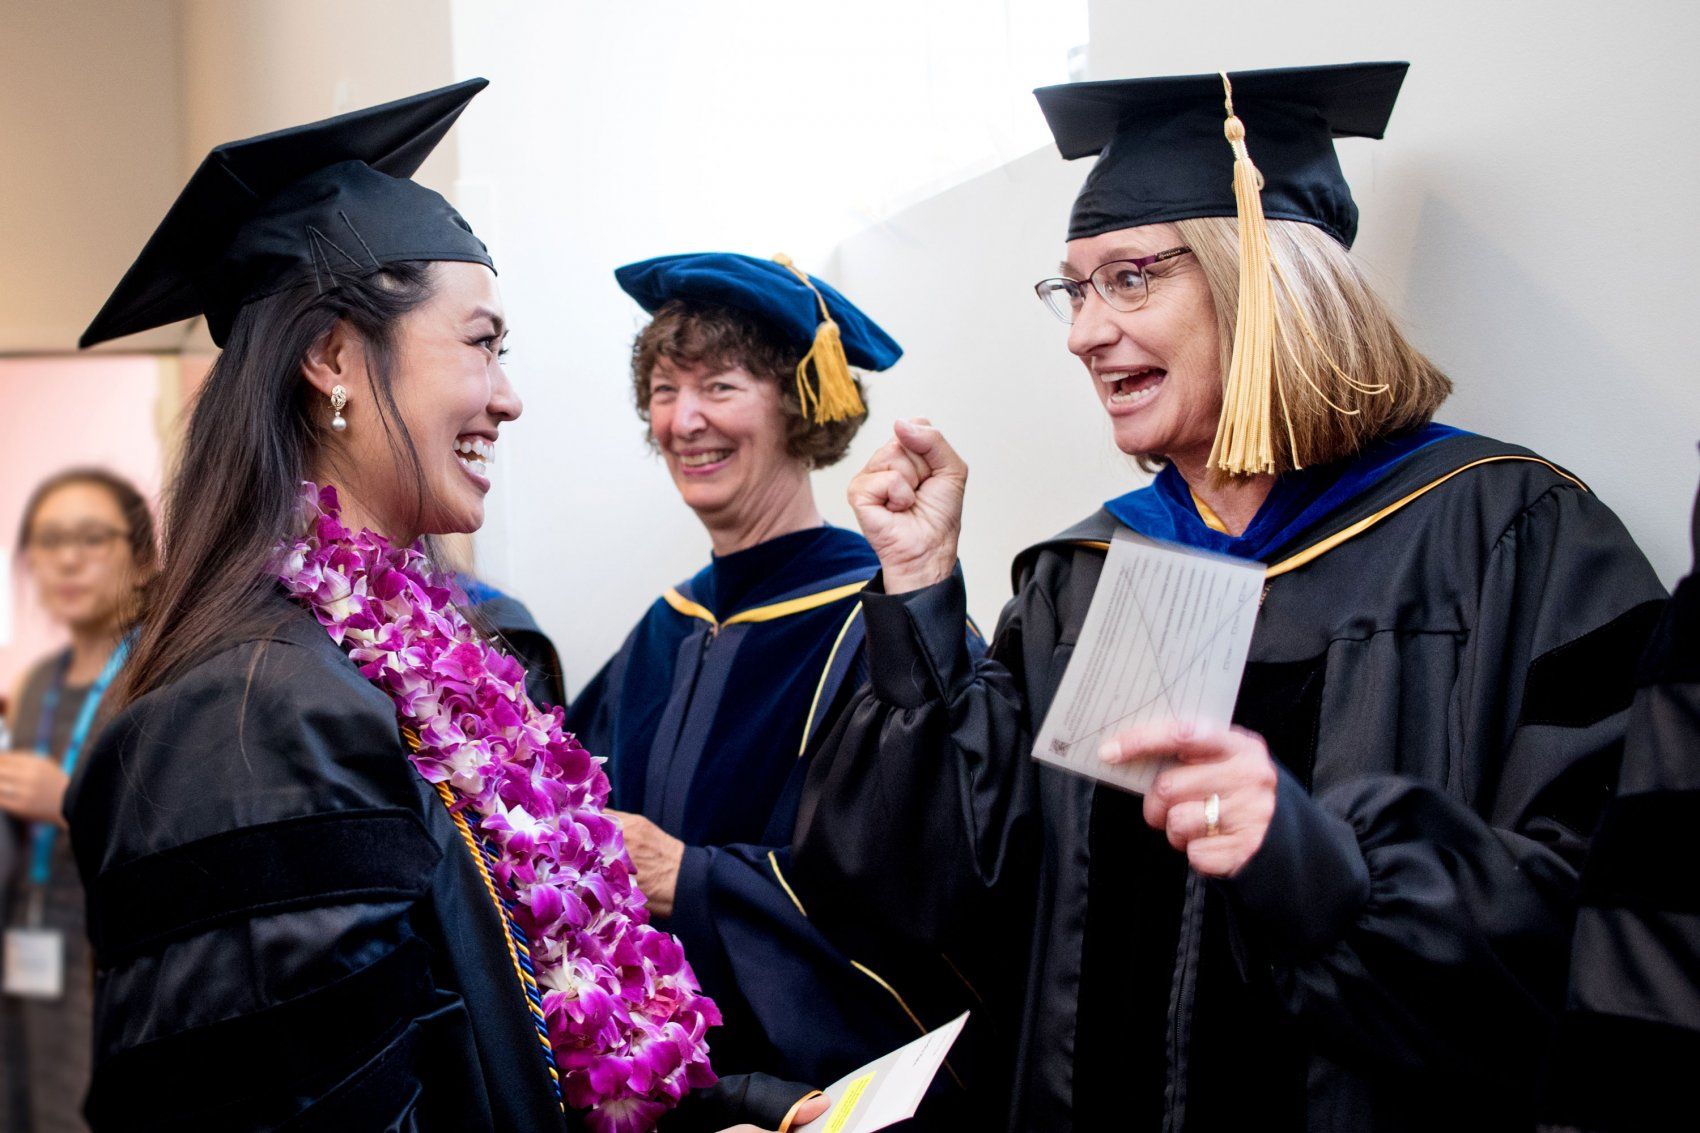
(339, 398)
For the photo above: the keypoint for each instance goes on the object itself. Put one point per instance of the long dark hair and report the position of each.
(251, 441)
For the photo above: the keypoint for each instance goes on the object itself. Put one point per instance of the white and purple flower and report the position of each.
(625, 1015)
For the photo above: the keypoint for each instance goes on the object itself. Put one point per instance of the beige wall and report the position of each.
(251, 66)
(255, 65)
(90, 141)
(106, 106)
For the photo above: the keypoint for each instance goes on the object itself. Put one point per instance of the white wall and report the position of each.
(1531, 211)
(1529, 215)
(615, 132)
(1514, 216)
(952, 279)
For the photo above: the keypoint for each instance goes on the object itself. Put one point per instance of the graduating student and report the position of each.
(1631, 1031)
(712, 708)
(343, 873)
(1353, 909)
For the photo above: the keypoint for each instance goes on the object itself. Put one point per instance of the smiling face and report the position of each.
(1157, 370)
(722, 434)
(453, 395)
(79, 553)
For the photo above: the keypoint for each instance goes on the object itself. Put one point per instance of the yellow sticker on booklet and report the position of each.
(841, 1112)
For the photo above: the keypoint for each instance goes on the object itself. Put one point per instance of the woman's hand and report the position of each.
(807, 1111)
(655, 855)
(32, 787)
(908, 500)
(1231, 764)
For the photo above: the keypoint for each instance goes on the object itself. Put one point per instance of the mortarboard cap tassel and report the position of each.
(1244, 442)
(1263, 357)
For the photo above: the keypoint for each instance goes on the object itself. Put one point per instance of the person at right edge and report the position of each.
(1630, 1036)
(1352, 910)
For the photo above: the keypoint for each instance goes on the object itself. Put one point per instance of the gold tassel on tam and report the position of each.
(832, 396)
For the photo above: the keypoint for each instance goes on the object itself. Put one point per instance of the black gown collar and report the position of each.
(1422, 468)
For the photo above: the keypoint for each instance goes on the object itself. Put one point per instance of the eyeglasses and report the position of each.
(1122, 284)
(91, 541)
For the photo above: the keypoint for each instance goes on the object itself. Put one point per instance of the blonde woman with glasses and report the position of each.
(1351, 909)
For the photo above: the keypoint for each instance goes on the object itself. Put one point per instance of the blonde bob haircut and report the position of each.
(1365, 380)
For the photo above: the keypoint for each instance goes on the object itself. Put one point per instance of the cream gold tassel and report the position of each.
(832, 396)
(1263, 345)
(1245, 443)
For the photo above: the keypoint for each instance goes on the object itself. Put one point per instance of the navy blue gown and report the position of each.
(709, 714)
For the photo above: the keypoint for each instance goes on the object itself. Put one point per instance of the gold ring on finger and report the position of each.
(1213, 816)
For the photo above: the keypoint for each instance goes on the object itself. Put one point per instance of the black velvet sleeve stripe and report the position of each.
(383, 1089)
(1583, 681)
(1674, 655)
(1615, 1072)
(1639, 831)
(320, 859)
(289, 1049)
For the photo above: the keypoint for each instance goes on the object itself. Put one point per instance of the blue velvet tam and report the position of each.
(767, 289)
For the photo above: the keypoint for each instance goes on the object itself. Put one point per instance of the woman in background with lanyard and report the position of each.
(87, 540)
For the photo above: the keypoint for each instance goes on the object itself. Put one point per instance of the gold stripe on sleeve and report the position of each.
(820, 687)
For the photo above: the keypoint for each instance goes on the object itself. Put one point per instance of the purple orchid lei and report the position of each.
(625, 1016)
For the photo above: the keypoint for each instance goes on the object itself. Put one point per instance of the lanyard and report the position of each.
(46, 832)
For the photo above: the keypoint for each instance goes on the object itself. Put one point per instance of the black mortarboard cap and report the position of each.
(306, 203)
(1163, 156)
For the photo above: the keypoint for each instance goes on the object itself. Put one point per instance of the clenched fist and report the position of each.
(908, 500)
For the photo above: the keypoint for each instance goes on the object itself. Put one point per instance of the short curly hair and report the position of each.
(690, 334)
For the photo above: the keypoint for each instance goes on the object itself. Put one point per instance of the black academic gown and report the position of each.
(708, 716)
(511, 622)
(287, 924)
(1630, 1040)
(289, 927)
(1443, 684)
